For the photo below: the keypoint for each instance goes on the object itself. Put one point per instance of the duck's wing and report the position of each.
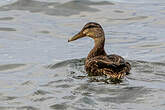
(104, 63)
(113, 62)
(112, 65)
(118, 60)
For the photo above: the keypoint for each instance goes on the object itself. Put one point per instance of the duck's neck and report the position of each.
(98, 48)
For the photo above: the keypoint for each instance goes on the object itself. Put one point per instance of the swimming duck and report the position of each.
(98, 62)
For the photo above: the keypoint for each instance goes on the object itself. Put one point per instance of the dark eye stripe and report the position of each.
(92, 25)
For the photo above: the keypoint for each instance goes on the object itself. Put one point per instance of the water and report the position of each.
(40, 70)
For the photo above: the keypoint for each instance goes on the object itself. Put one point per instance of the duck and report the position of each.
(98, 63)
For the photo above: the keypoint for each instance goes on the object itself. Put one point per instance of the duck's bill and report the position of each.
(77, 36)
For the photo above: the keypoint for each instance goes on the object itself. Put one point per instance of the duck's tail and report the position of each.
(127, 68)
(114, 75)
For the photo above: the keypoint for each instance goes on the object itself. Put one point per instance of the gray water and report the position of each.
(40, 70)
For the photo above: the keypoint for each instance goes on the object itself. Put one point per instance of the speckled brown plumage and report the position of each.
(98, 62)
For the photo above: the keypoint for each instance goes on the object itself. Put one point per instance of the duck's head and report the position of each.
(91, 29)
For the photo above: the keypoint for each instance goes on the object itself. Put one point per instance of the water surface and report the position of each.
(40, 70)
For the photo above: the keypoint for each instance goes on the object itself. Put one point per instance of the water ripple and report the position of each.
(54, 8)
(7, 29)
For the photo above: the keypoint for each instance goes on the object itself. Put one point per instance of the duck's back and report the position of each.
(113, 66)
